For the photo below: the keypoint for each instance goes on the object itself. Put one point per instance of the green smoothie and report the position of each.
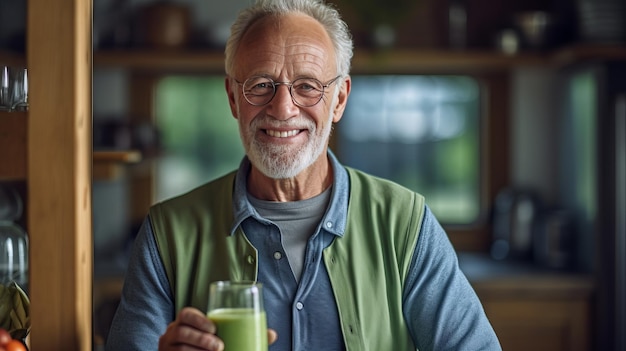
(241, 329)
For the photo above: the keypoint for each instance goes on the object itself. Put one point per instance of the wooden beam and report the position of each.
(59, 174)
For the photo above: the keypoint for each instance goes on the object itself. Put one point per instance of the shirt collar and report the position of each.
(334, 220)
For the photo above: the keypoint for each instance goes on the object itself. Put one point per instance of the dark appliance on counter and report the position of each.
(554, 241)
(525, 229)
(515, 220)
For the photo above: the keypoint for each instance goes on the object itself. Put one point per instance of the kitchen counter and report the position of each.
(530, 307)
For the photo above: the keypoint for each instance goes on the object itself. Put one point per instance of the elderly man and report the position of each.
(348, 261)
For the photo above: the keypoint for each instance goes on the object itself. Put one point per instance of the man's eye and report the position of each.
(305, 86)
(260, 87)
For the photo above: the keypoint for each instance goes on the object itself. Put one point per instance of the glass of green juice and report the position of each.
(237, 310)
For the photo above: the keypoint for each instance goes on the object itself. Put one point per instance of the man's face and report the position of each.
(281, 138)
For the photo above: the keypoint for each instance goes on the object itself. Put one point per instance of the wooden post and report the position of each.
(59, 57)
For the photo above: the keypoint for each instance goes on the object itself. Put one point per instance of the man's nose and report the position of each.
(282, 105)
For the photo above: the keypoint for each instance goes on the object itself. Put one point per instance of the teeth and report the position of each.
(283, 134)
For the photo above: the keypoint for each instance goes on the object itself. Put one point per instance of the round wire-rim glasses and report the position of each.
(305, 92)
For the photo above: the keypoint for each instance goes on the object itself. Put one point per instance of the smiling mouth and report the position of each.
(282, 134)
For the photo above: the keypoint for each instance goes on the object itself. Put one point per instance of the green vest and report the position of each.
(367, 266)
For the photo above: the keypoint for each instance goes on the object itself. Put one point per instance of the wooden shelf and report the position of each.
(13, 151)
(397, 61)
(188, 61)
(588, 52)
(117, 156)
(440, 61)
(109, 165)
(364, 61)
(370, 61)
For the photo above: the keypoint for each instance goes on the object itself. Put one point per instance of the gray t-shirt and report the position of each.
(297, 221)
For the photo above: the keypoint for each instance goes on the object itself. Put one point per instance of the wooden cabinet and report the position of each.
(49, 149)
(533, 309)
(540, 312)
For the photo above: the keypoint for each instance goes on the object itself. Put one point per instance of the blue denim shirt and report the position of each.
(440, 307)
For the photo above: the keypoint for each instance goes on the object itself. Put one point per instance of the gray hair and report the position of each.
(324, 13)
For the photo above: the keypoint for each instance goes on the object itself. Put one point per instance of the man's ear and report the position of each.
(342, 98)
(231, 90)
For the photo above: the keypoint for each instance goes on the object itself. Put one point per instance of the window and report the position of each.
(422, 132)
(200, 138)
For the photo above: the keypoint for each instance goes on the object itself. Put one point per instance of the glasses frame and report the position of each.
(289, 85)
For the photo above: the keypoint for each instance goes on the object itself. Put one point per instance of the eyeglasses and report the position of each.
(305, 92)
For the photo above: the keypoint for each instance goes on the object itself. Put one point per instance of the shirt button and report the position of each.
(278, 255)
(250, 259)
(299, 306)
(329, 224)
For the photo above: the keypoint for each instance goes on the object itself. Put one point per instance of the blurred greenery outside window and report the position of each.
(420, 131)
(200, 137)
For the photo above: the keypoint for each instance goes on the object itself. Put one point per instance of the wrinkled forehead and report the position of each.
(285, 40)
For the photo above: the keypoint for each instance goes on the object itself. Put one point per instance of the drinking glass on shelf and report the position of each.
(13, 255)
(20, 90)
(6, 98)
(237, 310)
(13, 239)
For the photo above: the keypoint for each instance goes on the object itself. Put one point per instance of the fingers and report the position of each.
(191, 330)
(272, 336)
(195, 318)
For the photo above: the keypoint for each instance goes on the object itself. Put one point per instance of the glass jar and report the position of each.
(13, 239)
(13, 255)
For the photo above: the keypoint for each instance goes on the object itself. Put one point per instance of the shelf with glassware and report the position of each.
(107, 164)
(379, 61)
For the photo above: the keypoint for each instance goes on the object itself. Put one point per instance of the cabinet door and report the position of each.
(540, 324)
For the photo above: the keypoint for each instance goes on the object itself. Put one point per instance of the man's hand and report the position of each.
(192, 330)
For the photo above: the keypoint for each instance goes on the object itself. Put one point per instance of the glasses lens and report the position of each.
(307, 91)
(258, 90)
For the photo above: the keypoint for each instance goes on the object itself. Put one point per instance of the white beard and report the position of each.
(285, 161)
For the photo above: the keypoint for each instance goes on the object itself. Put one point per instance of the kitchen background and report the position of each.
(533, 93)
(560, 172)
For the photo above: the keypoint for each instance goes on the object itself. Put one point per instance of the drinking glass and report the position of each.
(6, 98)
(14, 255)
(20, 90)
(237, 310)
(13, 239)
